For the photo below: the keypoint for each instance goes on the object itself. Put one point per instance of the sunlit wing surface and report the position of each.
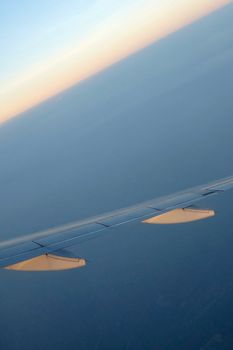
(46, 250)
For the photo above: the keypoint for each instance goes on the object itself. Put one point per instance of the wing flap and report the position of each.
(18, 249)
(177, 200)
(46, 243)
(68, 235)
(124, 216)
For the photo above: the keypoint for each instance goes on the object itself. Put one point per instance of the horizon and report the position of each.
(30, 90)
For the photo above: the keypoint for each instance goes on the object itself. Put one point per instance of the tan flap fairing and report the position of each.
(47, 262)
(180, 215)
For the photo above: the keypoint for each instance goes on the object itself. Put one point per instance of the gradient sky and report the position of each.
(47, 46)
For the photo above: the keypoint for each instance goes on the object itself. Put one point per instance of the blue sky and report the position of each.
(33, 31)
(47, 46)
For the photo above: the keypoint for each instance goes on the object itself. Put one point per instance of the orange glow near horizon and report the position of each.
(123, 37)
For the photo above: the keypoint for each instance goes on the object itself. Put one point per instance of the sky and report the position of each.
(48, 46)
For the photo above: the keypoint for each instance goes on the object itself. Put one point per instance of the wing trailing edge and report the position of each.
(45, 251)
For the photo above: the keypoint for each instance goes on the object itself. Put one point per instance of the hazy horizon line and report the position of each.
(91, 75)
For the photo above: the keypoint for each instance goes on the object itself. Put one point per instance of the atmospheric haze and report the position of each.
(157, 122)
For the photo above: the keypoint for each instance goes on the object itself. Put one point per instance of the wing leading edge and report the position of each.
(46, 250)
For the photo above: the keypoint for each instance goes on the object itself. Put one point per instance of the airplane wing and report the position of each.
(47, 250)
